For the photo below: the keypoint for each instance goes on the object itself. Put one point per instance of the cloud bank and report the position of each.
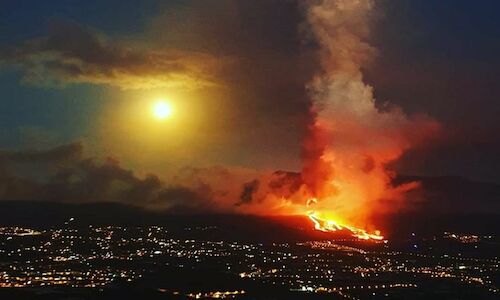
(72, 53)
(63, 174)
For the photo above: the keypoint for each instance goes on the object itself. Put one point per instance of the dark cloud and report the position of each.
(72, 53)
(285, 183)
(59, 153)
(249, 189)
(269, 188)
(65, 174)
(69, 177)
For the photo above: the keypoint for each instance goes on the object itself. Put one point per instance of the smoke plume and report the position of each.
(352, 137)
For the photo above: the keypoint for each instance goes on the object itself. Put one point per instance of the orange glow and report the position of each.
(352, 138)
(326, 225)
(353, 141)
(332, 224)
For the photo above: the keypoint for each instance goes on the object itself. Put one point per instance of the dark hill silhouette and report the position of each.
(443, 203)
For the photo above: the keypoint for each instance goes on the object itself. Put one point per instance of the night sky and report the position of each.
(77, 78)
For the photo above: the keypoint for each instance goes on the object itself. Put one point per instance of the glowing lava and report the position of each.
(330, 225)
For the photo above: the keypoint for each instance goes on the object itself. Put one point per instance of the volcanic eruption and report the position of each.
(351, 137)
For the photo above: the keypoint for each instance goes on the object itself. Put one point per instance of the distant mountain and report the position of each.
(450, 195)
(443, 203)
(446, 203)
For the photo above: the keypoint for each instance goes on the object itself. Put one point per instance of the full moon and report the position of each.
(162, 110)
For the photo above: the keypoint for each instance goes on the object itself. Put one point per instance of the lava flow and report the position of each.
(330, 225)
(326, 225)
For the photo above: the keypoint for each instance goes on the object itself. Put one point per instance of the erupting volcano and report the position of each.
(351, 137)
